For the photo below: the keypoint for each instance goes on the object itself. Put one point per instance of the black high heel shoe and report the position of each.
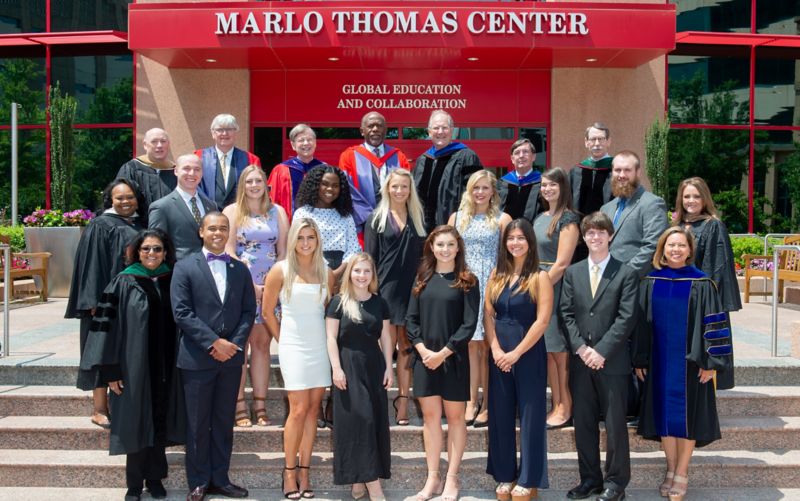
(293, 495)
(400, 421)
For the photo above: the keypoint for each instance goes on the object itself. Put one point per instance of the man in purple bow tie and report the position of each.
(214, 306)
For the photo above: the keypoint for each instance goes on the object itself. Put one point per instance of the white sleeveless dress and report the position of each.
(303, 351)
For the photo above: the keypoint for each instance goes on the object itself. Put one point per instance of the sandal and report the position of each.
(293, 495)
(425, 496)
(677, 493)
(261, 414)
(306, 493)
(242, 417)
(450, 496)
(358, 494)
(503, 491)
(101, 420)
(665, 486)
(398, 420)
(519, 493)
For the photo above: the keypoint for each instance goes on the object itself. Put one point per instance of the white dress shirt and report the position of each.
(219, 271)
(602, 264)
(187, 200)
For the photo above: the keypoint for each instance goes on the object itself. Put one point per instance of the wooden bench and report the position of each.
(25, 265)
(788, 269)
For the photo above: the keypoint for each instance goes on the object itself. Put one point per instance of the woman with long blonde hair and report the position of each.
(480, 221)
(303, 283)
(393, 236)
(557, 236)
(259, 230)
(360, 349)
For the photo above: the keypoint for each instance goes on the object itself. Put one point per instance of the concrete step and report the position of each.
(78, 433)
(339, 494)
(25, 400)
(92, 469)
(779, 371)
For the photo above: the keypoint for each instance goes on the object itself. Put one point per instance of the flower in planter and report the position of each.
(52, 218)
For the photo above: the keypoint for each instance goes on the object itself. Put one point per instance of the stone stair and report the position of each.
(48, 447)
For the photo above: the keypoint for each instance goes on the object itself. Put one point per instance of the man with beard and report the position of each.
(591, 178)
(639, 217)
(519, 189)
(368, 164)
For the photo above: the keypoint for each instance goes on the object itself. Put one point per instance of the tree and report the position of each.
(62, 147)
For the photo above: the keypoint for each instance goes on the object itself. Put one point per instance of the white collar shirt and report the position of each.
(219, 271)
(187, 199)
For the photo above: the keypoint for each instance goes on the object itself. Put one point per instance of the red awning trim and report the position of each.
(64, 38)
(742, 39)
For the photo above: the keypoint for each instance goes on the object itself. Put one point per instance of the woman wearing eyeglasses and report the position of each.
(260, 228)
(133, 346)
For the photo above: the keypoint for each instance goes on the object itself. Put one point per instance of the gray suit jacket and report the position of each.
(606, 321)
(642, 221)
(173, 216)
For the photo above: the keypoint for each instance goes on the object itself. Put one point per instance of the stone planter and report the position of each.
(62, 243)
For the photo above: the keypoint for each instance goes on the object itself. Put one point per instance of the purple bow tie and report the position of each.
(222, 257)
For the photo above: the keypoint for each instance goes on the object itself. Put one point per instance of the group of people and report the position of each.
(485, 290)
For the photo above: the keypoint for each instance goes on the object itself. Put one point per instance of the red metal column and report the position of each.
(751, 174)
(47, 112)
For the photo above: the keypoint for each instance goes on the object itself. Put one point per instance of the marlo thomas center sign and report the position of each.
(403, 22)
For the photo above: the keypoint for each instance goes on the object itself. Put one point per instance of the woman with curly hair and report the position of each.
(479, 220)
(442, 316)
(324, 196)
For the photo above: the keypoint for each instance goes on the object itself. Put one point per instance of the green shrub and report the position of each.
(17, 234)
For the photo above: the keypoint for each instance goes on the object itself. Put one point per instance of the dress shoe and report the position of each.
(565, 424)
(156, 488)
(584, 490)
(133, 494)
(197, 494)
(229, 491)
(611, 495)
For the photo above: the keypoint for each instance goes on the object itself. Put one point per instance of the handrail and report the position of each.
(771, 235)
(6, 297)
(775, 262)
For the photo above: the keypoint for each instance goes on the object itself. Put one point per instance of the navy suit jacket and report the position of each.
(202, 317)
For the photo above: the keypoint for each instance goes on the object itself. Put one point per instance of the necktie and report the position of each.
(595, 279)
(225, 258)
(377, 152)
(620, 208)
(224, 170)
(195, 210)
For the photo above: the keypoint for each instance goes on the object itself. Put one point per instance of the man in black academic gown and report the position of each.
(153, 171)
(441, 173)
(519, 189)
(598, 307)
(214, 306)
(591, 178)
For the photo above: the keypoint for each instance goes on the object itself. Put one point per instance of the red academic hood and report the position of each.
(400, 35)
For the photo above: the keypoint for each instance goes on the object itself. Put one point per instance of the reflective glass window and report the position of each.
(99, 153)
(23, 16)
(721, 158)
(779, 17)
(538, 136)
(709, 89)
(345, 133)
(89, 15)
(22, 81)
(713, 15)
(775, 94)
(103, 86)
(30, 169)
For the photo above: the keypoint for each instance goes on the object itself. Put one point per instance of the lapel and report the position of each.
(608, 275)
(183, 210)
(233, 170)
(532, 204)
(205, 271)
(629, 208)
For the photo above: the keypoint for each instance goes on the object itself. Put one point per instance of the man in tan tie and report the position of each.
(598, 307)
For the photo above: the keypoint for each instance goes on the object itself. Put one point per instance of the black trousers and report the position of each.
(149, 463)
(210, 407)
(595, 394)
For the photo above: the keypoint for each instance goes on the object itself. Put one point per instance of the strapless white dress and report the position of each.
(303, 351)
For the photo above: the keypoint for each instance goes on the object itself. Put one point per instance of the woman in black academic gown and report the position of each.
(100, 256)
(683, 339)
(132, 344)
(393, 236)
(695, 211)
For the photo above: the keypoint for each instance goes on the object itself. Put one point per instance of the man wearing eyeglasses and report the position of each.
(223, 162)
(591, 178)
